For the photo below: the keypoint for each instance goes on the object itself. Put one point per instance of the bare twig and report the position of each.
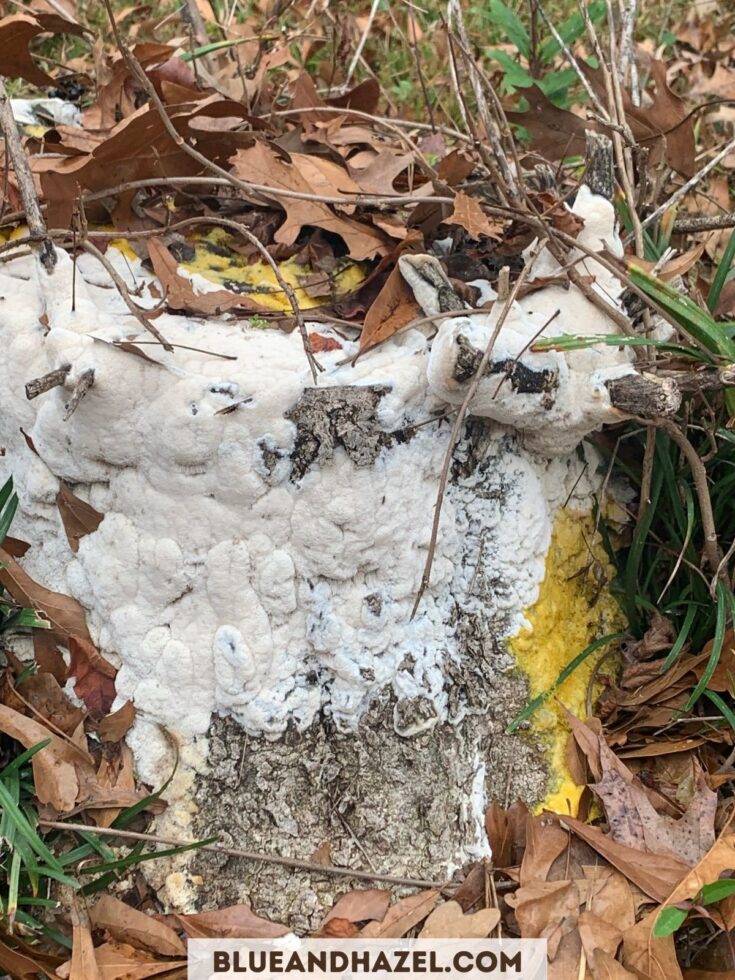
(48, 381)
(704, 222)
(295, 863)
(40, 243)
(690, 185)
(85, 382)
(459, 421)
(454, 13)
(121, 285)
(712, 550)
(360, 45)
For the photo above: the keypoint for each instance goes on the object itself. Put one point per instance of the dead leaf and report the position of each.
(128, 925)
(94, 677)
(78, 517)
(47, 655)
(402, 916)
(361, 905)
(655, 874)
(320, 344)
(233, 922)
(450, 922)
(649, 957)
(469, 215)
(65, 614)
(56, 767)
(672, 269)
(180, 292)
(118, 961)
(83, 962)
(606, 967)
(114, 727)
(338, 929)
(16, 33)
(261, 165)
(392, 309)
(506, 832)
(116, 781)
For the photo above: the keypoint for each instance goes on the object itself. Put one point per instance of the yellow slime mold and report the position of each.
(214, 258)
(574, 607)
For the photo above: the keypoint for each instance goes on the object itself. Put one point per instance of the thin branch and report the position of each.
(461, 415)
(712, 550)
(40, 242)
(690, 185)
(137, 312)
(285, 286)
(704, 222)
(360, 45)
(295, 863)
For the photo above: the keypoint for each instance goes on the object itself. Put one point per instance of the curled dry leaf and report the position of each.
(450, 922)
(78, 517)
(361, 905)
(392, 309)
(65, 614)
(468, 214)
(233, 922)
(57, 767)
(402, 916)
(128, 925)
(180, 292)
(83, 962)
(94, 676)
(114, 727)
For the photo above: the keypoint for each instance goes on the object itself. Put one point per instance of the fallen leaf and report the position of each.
(468, 214)
(116, 781)
(261, 165)
(94, 677)
(506, 833)
(338, 929)
(78, 517)
(180, 292)
(392, 309)
(402, 916)
(320, 344)
(678, 266)
(114, 727)
(65, 614)
(47, 655)
(361, 905)
(233, 922)
(128, 925)
(606, 967)
(450, 922)
(655, 874)
(83, 962)
(119, 961)
(56, 767)
(649, 957)
(16, 33)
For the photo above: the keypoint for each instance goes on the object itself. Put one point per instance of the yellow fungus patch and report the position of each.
(210, 254)
(574, 607)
